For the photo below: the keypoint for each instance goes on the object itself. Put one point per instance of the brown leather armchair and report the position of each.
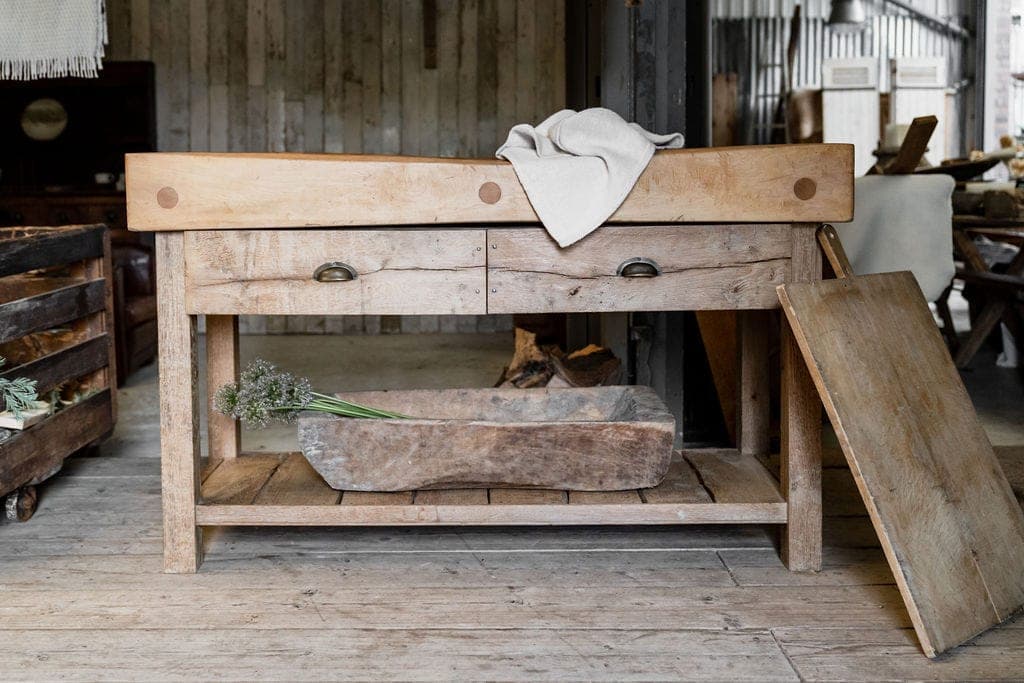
(135, 304)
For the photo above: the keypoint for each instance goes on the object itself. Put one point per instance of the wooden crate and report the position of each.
(56, 327)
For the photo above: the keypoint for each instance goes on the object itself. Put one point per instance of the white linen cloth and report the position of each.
(578, 167)
(902, 222)
(51, 38)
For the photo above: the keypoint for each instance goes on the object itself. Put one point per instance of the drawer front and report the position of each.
(701, 267)
(396, 272)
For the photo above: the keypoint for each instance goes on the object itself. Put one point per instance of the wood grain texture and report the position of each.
(51, 309)
(222, 72)
(753, 389)
(946, 516)
(47, 247)
(263, 272)
(739, 184)
(702, 267)
(55, 368)
(800, 459)
(37, 452)
(224, 432)
(598, 507)
(238, 481)
(732, 477)
(179, 409)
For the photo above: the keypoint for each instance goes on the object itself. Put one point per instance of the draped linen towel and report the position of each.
(578, 167)
(51, 38)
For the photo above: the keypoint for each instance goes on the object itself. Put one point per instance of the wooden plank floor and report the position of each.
(82, 596)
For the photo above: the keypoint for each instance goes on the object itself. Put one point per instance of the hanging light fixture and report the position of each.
(847, 16)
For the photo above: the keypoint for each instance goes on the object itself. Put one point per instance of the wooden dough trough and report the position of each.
(589, 439)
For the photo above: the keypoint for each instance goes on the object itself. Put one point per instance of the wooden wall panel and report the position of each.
(346, 76)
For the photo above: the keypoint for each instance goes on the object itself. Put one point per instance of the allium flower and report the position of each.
(264, 394)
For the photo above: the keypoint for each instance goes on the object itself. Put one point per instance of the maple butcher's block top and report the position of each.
(203, 191)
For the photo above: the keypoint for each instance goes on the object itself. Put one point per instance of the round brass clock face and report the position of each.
(44, 119)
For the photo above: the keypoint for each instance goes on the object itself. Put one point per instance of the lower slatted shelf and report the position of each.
(705, 486)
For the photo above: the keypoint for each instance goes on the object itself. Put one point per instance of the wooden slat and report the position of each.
(946, 516)
(52, 309)
(44, 247)
(294, 482)
(712, 267)
(39, 450)
(237, 481)
(451, 497)
(527, 497)
(681, 485)
(55, 368)
(256, 190)
(604, 497)
(377, 498)
(612, 513)
(413, 272)
(733, 478)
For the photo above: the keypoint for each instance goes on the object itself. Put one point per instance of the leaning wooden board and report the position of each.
(946, 517)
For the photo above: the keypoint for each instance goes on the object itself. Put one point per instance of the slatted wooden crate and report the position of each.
(56, 279)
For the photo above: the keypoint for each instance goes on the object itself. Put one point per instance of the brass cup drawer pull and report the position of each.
(335, 271)
(638, 267)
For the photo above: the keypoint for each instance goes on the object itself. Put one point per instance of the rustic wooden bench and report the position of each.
(288, 234)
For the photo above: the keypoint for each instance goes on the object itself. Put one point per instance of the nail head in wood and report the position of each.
(490, 193)
(167, 197)
(805, 188)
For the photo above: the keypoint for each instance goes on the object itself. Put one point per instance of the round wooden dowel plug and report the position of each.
(167, 197)
(805, 188)
(490, 193)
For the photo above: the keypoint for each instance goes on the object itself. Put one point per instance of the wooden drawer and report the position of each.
(702, 267)
(397, 272)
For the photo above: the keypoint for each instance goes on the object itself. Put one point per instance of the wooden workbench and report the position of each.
(245, 233)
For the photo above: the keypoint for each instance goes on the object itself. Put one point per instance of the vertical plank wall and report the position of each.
(429, 77)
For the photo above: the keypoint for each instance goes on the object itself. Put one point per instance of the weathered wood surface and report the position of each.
(412, 272)
(279, 489)
(224, 433)
(761, 184)
(35, 452)
(60, 366)
(601, 438)
(179, 409)
(52, 309)
(800, 457)
(703, 267)
(947, 518)
(29, 248)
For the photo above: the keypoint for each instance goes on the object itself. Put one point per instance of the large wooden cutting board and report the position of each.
(946, 517)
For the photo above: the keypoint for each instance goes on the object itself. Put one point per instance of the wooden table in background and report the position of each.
(1004, 292)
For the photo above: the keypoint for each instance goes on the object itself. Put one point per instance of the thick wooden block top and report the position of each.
(202, 191)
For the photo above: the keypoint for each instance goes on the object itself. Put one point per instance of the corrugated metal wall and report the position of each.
(750, 37)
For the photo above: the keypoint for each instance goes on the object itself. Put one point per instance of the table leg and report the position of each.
(221, 368)
(753, 382)
(800, 458)
(179, 421)
(800, 463)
